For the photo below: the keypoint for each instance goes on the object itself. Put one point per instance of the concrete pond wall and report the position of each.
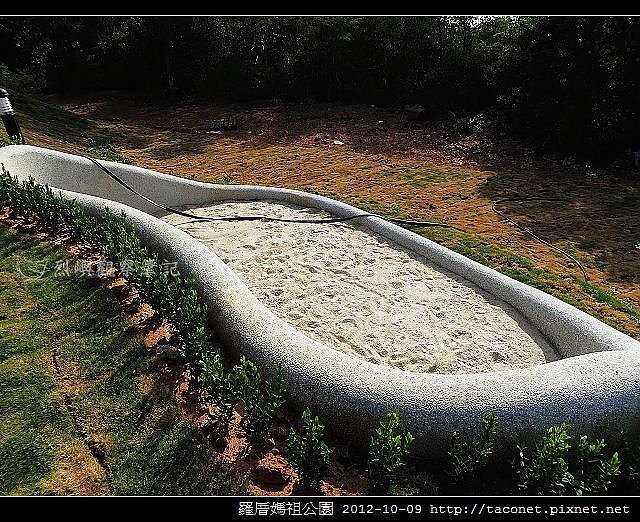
(595, 386)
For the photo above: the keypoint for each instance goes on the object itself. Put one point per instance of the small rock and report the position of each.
(120, 288)
(169, 352)
(272, 470)
(337, 142)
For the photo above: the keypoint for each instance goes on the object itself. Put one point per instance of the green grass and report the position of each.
(603, 296)
(121, 404)
(106, 150)
(44, 118)
(56, 122)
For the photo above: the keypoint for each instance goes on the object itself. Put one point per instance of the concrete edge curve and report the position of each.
(596, 387)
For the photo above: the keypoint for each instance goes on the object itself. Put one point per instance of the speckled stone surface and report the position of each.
(596, 387)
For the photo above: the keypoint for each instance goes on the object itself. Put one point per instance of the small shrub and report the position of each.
(261, 403)
(247, 377)
(630, 464)
(190, 315)
(308, 453)
(6, 186)
(546, 472)
(6, 140)
(468, 457)
(388, 451)
(244, 384)
(594, 472)
(220, 385)
(275, 391)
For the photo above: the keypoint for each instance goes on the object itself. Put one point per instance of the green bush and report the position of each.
(220, 385)
(261, 402)
(594, 472)
(226, 389)
(630, 468)
(468, 457)
(548, 471)
(307, 452)
(190, 316)
(6, 140)
(388, 451)
(6, 187)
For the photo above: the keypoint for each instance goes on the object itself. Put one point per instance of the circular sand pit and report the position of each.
(361, 294)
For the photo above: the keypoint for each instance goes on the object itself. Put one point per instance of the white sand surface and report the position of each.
(359, 293)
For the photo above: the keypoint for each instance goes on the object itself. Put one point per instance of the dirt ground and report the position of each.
(381, 160)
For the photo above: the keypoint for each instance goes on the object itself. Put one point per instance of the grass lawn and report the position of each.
(83, 408)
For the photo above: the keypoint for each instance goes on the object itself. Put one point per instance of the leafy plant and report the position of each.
(6, 185)
(190, 315)
(244, 384)
(388, 451)
(220, 385)
(6, 140)
(307, 452)
(275, 391)
(261, 403)
(594, 472)
(468, 457)
(106, 150)
(630, 463)
(546, 472)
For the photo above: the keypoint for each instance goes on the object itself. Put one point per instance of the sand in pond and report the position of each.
(359, 293)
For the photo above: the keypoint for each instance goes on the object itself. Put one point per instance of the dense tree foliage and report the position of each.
(570, 81)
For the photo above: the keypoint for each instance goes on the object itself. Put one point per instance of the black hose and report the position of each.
(196, 218)
(535, 236)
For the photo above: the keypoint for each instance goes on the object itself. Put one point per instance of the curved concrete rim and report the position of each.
(595, 387)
